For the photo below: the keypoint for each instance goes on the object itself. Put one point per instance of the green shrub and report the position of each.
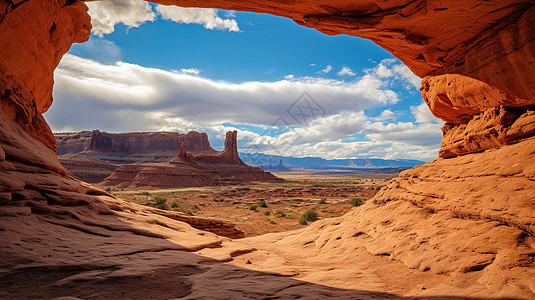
(272, 222)
(253, 207)
(145, 193)
(317, 183)
(278, 213)
(174, 205)
(309, 215)
(160, 202)
(267, 213)
(108, 190)
(356, 201)
(322, 201)
(262, 204)
(188, 212)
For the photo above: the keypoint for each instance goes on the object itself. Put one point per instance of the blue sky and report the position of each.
(148, 67)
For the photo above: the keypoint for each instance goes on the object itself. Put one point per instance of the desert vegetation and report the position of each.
(271, 207)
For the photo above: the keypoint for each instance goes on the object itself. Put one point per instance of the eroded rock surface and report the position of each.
(455, 226)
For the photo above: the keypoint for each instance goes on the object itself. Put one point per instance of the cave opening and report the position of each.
(294, 95)
(458, 226)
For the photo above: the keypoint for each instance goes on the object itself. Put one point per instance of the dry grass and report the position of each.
(285, 201)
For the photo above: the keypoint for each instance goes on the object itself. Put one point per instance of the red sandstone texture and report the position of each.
(87, 169)
(459, 226)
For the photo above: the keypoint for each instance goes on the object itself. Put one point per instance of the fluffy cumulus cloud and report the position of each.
(346, 71)
(422, 114)
(268, 115)
(204, 16)
(389, 69)
(196, 98)
(106, 14)
(327, 69)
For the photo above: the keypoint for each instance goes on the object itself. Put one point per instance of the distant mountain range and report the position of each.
(289, 163)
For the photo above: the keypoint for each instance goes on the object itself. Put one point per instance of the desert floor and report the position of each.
(263, 208)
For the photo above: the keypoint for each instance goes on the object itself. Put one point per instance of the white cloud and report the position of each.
(426, 134)
(108, 13)
(289, 77)
(123, 97)
(327, 69)
(230, 14)
(346, 71)
(204, 16)
(422, 114)
(192, 71)
(388, 68)
(383, 71)
(124, 85)
(386, 114)
(404, 72)
(332, 127)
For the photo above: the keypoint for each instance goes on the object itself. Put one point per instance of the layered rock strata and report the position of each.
(133, 143)
(186, 169)
(458, 226)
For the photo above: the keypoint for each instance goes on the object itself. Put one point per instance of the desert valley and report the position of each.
(164, 215)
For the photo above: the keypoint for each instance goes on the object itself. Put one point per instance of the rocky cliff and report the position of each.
(186, 169)
(460, 226)
(91, 156)
(130, 143)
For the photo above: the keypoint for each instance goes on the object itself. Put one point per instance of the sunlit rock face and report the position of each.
(462, 224)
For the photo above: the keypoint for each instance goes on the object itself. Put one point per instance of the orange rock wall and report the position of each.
(466, 222)
(34, 35)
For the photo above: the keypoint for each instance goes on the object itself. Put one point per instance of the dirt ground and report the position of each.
(273, 207)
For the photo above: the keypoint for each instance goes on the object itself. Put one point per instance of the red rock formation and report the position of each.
(87, 169)
(490, 129)
(91, 156)
(176, 175)
(229, 155)
(182, 155)
(130, 143)
(185, 170)
(461, 226)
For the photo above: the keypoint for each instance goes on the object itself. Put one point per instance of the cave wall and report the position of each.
(470, 218)
(34, 35)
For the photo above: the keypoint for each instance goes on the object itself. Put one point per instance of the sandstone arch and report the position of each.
(471, 213)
